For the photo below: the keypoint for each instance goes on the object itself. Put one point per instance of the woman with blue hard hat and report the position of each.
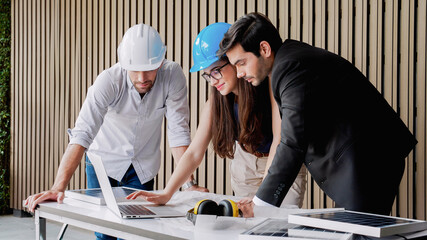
(238, 118)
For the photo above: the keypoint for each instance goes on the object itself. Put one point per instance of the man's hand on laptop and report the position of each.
(157, 198)
(32, 201)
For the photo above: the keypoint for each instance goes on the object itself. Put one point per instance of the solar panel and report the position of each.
(367, 224)
(275, 229)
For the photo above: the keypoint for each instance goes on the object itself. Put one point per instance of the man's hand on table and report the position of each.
(32, 201)
(246, 206)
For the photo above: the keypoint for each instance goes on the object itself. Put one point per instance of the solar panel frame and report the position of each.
(363, 225)
(307, 232)
(275, 229)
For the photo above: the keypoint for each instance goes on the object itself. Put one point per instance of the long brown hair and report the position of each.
(254, 112)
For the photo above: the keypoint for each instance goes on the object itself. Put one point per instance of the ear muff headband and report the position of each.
(228, 208)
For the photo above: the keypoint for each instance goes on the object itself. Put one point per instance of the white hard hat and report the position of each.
(141, 49)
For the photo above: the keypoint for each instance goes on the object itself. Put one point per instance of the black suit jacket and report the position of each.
(336, 123)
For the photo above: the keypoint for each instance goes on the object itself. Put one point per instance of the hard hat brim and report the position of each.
(142, 68)
(201, 66)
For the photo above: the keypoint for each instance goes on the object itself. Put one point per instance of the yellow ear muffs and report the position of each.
(228, 208)
(225, 208)
(207, 207)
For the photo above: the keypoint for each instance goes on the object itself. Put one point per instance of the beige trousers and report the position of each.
(247, 172)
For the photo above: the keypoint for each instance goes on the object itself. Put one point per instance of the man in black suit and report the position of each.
(333, 119)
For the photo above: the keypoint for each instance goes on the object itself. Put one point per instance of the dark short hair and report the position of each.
(249, 31)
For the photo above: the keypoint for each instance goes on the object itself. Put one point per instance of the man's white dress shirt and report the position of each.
(116, 124)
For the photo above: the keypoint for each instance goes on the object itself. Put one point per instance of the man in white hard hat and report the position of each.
(121, 118)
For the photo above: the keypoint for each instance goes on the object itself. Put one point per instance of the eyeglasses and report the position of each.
(215, 74)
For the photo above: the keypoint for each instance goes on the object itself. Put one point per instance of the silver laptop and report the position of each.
(127, 209)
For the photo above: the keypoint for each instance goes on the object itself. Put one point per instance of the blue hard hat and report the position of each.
(207, 44)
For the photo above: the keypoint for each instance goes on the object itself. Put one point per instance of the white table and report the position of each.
(100, 219)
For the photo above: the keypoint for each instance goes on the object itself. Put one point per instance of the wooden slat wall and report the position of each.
(59, 47)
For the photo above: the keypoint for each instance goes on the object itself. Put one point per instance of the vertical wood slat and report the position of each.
(48, 93)
(107, 38)
(120, 24)
(113, 31)
(319, 24)
(59, 48)
(375, 53)
(24, 111)
(360, 22)
(54, 87)
(147, 13)
(295, 20)
(240, 8)
(346, 29)
(89, 45)
(406, 105)
(140, 12)
(57, 73)
(133, 12)
(13, 73)
(18, 102)
(332, 25)
(94, 43)
(155, 16)
(23, 108)
(421, 100)
(43, 54)
(32, 95)
(36, 97)
(284, 17)
(70, 59)
(307, 21)
(64, 62)
(53, 71)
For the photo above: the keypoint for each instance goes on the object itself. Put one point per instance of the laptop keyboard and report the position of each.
(135, 210)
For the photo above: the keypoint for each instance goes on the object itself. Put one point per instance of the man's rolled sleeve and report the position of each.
(80, 139)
